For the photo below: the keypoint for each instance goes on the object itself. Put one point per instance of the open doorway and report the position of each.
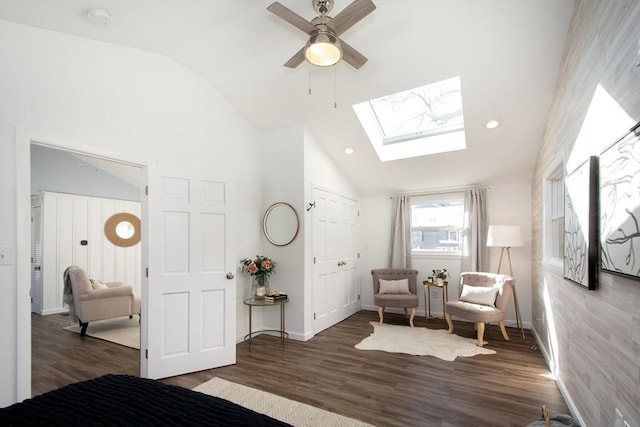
(77, 192)
(188, 226)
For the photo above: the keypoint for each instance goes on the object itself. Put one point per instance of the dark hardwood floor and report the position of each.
(384, 389)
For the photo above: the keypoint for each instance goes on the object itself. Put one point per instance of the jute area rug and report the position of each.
(420, 341)
(121, 330)
(280, 408)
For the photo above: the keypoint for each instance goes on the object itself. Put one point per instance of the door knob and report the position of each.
(37, 268)
(230, 276)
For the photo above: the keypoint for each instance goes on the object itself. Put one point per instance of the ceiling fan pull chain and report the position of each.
(335, 90)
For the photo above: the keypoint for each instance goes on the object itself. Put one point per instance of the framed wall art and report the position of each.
(581, 225)
(620, 206)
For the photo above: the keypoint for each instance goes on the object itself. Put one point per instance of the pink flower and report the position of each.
(252, 268)
(266, 264)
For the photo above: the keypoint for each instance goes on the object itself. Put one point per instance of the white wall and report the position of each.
(282, 153)
(295, 163)
(511, 205)
(66, 220)
(506, 205)
(320, 172)
(110, 99)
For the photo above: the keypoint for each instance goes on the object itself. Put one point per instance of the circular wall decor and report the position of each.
(123, 229)
(280, 224)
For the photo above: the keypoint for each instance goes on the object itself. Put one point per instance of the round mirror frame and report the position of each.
(112, 223)
(291, 235)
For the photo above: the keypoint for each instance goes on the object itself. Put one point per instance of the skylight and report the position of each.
(415, 122)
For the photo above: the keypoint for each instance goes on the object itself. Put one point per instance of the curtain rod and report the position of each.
(442, 190)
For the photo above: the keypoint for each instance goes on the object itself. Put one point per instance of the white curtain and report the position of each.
(400, 254)
(474, 234)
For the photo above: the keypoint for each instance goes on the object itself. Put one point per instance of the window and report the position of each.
(436, 225)
(554, 215)
(415, 122)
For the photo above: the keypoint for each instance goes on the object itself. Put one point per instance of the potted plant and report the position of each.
(260, 268)
(440, 274)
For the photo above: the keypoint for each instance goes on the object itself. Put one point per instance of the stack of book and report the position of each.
(275, 297)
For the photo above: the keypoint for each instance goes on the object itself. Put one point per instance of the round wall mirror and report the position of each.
(280, 224)
(123, 229)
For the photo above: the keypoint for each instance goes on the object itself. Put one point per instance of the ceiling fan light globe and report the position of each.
(323, 54)
(323, 49)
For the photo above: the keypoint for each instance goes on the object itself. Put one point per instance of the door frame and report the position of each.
(340, 195)
(23, 140)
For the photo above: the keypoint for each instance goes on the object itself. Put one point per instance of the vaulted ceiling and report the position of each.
(506, 52)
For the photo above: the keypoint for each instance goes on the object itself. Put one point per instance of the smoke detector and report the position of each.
(98, 17)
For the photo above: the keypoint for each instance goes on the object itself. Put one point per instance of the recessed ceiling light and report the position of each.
(349, 150)
(492, 124)
(98, 17)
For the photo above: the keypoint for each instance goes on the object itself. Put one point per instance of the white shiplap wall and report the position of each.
(68, 219)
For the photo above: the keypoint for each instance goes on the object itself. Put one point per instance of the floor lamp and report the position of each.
(506, 237)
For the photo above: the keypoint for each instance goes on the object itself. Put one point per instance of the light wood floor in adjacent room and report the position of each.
(384, 389)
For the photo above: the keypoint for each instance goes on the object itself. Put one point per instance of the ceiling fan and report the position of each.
(324, 48)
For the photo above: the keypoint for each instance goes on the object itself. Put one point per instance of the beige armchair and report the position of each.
(395, 287)
(89, 301)
(483, 299)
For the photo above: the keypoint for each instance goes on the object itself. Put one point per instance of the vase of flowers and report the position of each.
(440, 274)
(260, 268)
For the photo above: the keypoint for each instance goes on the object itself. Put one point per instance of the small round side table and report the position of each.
(427, 284)
(251, 302)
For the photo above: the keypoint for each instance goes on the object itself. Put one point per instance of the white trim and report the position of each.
(426, 254)
(23, 140)
(23, 265)
(87, 150)
(551, 170)
(561, 386)
(457, 197)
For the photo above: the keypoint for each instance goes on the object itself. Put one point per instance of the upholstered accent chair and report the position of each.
(484, 298)
(90, 300)
(395, 287)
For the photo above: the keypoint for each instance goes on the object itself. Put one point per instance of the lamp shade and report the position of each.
(323, 49)
(505, 236)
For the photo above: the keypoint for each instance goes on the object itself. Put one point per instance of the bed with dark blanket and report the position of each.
(123, 400)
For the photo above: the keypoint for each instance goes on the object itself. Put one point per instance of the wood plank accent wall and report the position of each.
(67, 219)
(591, 338)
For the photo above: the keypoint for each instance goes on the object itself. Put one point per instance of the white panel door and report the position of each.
(349, 257)
(188, 316)
(326, 297)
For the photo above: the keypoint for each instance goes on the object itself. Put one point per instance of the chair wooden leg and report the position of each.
(413, 314)
(480, 327)
(381, 314)
(504, 331)
(83, 330)
(447, 316)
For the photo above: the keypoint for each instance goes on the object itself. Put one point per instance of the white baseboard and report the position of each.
(295, 336)
(563, 389)
(54, 311)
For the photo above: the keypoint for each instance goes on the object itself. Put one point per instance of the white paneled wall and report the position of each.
(66, 221)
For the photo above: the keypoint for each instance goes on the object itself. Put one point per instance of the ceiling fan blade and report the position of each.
(291, 17)
(350, 15)
(352, 56)
(296, 59)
